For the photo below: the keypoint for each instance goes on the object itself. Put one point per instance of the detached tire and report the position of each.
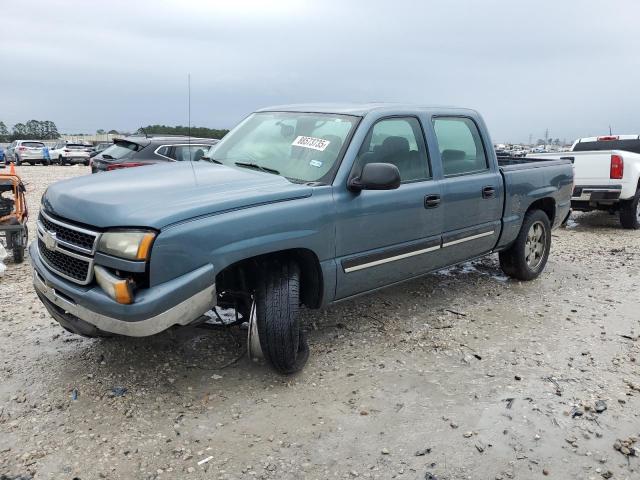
(283, 342)
(630, 213)
(526, 258)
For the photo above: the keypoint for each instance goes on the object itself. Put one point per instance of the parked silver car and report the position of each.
(27, 151)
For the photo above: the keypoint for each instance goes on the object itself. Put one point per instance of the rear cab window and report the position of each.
(631, 145)
(460, 146)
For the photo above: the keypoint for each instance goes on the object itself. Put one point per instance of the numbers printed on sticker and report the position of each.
(311, 142)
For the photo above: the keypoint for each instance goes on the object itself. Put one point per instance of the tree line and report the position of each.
(32, 130)
(201, 132)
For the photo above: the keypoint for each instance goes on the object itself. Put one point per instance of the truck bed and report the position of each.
(523, 163)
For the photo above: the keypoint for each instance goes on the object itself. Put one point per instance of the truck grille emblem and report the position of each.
(50, 240)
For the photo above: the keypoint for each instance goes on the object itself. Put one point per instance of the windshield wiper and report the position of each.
(210, 159)
(107, 157)
(255, 166)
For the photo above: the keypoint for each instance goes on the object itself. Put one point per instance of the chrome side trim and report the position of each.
(391, 259)
(181, 314)
(466, 239)
(416, 252)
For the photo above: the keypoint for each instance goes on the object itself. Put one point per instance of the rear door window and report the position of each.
(460, 146)
(190, 152)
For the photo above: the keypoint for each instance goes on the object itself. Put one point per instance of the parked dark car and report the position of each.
(2, 156)
(137, 151)
(99, 148)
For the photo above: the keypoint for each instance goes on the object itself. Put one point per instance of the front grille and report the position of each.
(61, 263)
(72, 236)
(71, 248)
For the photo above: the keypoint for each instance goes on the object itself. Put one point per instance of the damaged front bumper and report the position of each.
(180, 301)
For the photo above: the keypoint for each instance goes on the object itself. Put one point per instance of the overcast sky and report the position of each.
(572, 66)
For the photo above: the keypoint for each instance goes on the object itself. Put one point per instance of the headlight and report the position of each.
(132, 245)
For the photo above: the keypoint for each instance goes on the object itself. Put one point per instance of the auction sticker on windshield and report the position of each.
(311, 142)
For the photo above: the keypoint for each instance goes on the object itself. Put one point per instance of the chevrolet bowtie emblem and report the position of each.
(50, 240)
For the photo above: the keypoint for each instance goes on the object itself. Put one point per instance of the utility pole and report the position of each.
(530, 139)
(546, 137)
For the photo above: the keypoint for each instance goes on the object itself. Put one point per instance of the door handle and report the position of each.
(431, 201)
(488, 192)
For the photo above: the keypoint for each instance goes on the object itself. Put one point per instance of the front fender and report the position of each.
(226, 238)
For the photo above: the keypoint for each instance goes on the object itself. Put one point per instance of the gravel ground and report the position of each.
(462, 374)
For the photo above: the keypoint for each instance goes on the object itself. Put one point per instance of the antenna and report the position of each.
(193, 171)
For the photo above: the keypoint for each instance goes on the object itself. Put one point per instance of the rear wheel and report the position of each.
(527, 256)
(18, 162)
(277, 304)
(630, 213)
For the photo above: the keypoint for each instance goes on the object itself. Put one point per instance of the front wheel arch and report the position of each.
(241, 274)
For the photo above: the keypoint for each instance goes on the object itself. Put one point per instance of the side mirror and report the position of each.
(376, 176)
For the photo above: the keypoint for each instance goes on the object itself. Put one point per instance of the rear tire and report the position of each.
(282, 339)
(526, 258)
(630, 213)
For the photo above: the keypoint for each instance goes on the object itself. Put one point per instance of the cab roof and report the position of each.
(362, 109)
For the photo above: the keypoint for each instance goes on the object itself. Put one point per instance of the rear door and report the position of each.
(387, 236)
(472, 189)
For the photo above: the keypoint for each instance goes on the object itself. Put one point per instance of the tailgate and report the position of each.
(593, 168)
(589, 168)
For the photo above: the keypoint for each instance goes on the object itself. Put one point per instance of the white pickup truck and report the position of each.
(607, 175)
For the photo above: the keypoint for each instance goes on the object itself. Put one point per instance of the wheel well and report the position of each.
(547, 205)
(242, 275)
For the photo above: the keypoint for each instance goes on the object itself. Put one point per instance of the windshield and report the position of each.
(122, 149)
(300, 146)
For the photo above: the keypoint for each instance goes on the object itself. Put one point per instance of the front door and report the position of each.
(472, 191)
(387, 236)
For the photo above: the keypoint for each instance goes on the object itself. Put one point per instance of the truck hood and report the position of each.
(159, 195)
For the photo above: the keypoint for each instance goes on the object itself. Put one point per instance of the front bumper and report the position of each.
(177, 302)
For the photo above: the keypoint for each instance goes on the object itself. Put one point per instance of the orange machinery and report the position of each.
(13, 214)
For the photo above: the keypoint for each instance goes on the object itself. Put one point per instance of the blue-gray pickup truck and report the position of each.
(297, 205)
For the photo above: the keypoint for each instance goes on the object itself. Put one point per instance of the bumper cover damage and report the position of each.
(178, 302)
